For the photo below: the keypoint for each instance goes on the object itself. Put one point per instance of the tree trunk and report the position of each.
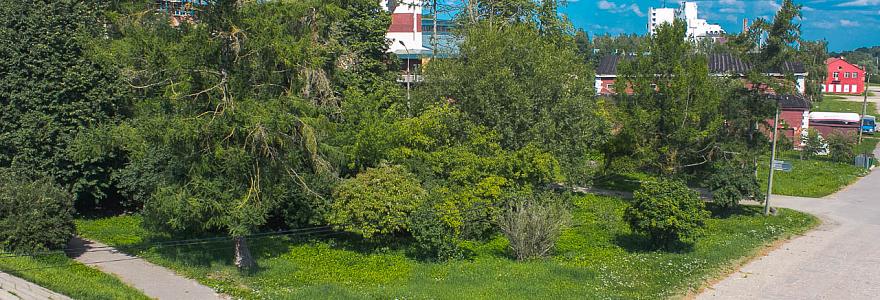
(243, 259)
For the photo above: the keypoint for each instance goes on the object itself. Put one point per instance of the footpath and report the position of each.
(839, 260)
(154, 281)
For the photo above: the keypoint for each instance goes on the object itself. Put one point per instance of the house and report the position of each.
(794, 115)
(720, 65)
(844, 77)
(412, 36)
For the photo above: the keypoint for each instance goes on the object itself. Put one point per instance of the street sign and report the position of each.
(780, 165)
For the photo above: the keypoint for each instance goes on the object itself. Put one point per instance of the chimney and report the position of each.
(745, 24)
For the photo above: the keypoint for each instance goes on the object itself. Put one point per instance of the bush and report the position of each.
(35, 215)
(533, 223)
(813, 145)
(842, 148)
(377, 201)
(668, 212)
(732, 181)
(435, 239)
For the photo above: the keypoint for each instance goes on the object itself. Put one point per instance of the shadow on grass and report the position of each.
(640, 243)
(740, 210)
(618, 182)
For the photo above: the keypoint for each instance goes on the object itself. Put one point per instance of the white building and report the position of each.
(405, 32)
(657, 16)
(688, 11)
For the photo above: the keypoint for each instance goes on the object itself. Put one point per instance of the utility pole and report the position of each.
(408, 78)
(434, 34)
(864, 106)
(772, 163)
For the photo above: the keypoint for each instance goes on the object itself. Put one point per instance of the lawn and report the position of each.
(834, 104)
(596, 258)
(809, 178)
(63, 275)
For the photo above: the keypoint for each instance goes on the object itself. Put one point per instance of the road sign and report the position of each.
(780, 165)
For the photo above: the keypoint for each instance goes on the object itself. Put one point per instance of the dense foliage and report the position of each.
(732, 181)
(668, 212)
(842, 147)
(527, 100)
(377, 202)
(35, 213)
(672, 116)
(51, 89)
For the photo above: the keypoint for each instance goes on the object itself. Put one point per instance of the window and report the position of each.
(836, 75)
(855, 75)
(845, 74)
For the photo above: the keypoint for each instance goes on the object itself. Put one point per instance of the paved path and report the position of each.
(154, 281)
(839, 260)
(14, 288)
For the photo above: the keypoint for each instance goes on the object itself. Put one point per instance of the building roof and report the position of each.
(793, 102)
(608, 64)
(718, 64)
(729, 64)
(831, 60)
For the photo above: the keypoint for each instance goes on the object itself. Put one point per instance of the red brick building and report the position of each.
(844, 77)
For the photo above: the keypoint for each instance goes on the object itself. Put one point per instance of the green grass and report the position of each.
(597, 258)
(834, 104)
(63, 275)
(809, 178)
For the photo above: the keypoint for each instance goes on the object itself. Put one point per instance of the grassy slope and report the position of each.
(809, 178)
(62, 275)
(834, 104)
(597, 258)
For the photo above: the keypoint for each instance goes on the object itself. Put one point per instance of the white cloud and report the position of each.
(620, 8)
(848, 23)
(860, 3)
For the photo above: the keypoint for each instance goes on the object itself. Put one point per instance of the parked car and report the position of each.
(869, 124)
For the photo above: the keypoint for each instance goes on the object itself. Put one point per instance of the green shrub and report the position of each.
(35, 215)
(667, 212)
(533, 223)
(813, 144)
(435, 239)
(377, 201)
(732, 181)
(842, 148)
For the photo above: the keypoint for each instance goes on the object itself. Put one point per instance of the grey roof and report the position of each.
(730, 64)
(718, 64)
(608, 65)
(793, 101)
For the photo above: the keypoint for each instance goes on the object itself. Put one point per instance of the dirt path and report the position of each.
(840, 260)
(154, 281)
(14, 288)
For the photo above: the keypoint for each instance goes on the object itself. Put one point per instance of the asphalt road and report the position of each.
(839, 260)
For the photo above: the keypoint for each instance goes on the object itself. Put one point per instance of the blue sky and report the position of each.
(846, 24)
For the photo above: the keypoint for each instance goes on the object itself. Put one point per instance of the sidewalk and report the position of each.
(154, 281)
(14, 288)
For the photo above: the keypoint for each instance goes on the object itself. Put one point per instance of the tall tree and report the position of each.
(52, 89)
(672, 114)
(237, 102)
(510, 81)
